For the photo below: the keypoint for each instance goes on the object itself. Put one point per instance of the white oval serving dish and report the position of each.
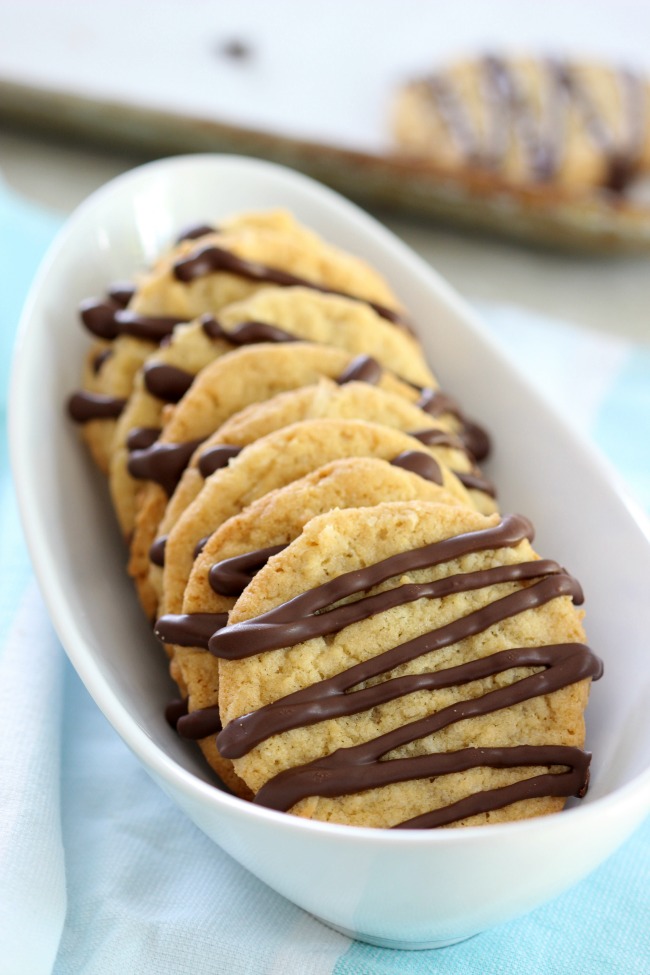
(401, 888)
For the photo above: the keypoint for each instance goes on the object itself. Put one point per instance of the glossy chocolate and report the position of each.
(209, 259)
(84, 407)
(162, 463)
(189, 629)
(354, 769)
(168, 383)
(215, 458)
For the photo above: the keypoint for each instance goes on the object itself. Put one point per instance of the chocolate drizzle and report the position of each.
(474, 481)
(564, 664)
(175, 709)
(438, 438)
(84, 407)
(217, 457)
(231, 576)
(543, 130)
(100, 359)
(200, 723)
(363, 369)
(360, 767)
(108, 319)
(141, 437)
(246, 333)
(195, 230)
(209, 259)
(168, 383)
(163, 463)
(121, 292)
(157, 551)
(193, 725)
(435, 403)
(189, 629)
(424, 465)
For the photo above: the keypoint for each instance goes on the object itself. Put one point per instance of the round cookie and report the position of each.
(226, 386)
(325, 399)
(298, 312)
(556, 129)
(277, 459)
(125, 336)
(407, 665)
(274, 519)
(221, 269)
(257, 250)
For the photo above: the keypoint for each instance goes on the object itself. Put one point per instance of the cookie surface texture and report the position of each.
(273, 520)
(430, 671)
(276, 460)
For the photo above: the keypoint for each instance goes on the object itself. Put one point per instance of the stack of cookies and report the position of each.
(358, 635)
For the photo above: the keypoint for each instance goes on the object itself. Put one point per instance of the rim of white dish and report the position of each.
(152, 755)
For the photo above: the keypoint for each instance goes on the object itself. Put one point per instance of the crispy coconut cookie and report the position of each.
(238, 548)
(277, 459)
(352, 399)
(271, 315)
(125, 337)
(560, 126)
(227, 385)
(407, 665)
(224, 268)
(255, 250)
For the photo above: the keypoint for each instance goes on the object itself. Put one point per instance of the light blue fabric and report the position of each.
(100, 873)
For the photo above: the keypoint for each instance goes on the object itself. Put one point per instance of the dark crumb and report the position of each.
(235, 49)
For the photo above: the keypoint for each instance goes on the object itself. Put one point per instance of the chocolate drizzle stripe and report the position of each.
(453, 113)
(438, 438)
(162, 463)
(561, 784)
(141, 437)
(84, 407)
(207, 260)
(108, 318)
(544, 132)
(246, 333)
(194, 230)
(435, 402)
(235, 642)
(100, 359)
(231, 576)
(339, 774)
(157, 551)
(424, 465)
(476, 482)
(121, 292)
(217, 457)
(199, 724)
(364, 369)
(189, 629)
(564, 664)
(200, 545)
(168, 383)
(260, 637)
(175, 710)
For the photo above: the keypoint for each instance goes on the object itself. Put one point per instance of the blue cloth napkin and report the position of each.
(100, 873)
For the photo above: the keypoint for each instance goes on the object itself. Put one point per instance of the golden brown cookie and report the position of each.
(124, 336)
(271, 314)
(541, 147)
(325, 399)
(273, 520)
(282, 457)
(407, 665)
(248, 252)
(227, 385)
